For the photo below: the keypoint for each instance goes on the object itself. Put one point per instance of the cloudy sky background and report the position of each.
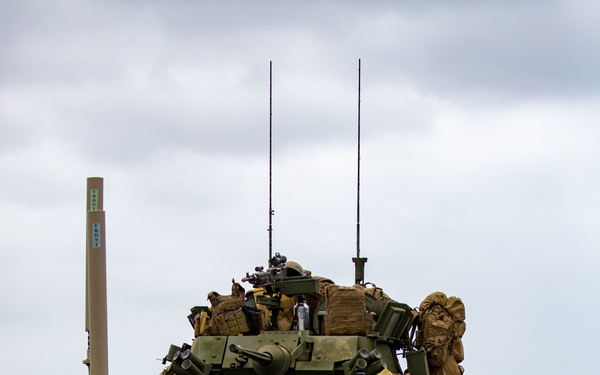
(480, 160)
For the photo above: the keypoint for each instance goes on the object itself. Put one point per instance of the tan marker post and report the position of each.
(94, 202)
(96, 305)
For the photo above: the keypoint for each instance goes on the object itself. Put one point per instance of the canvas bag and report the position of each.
(346, 311)
(228, 315)
(441, 326)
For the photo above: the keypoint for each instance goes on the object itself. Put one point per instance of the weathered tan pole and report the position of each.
(94, 202)
(96, 306)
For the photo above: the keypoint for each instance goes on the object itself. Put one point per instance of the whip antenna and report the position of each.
(271, 212)
(359, 263)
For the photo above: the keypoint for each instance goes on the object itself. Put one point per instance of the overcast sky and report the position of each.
(480, 166)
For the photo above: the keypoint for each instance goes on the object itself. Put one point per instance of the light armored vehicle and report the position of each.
(292, 322)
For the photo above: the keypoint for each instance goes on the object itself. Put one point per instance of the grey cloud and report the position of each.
(479, 163)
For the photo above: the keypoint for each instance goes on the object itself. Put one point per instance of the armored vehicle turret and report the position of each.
(350, 330)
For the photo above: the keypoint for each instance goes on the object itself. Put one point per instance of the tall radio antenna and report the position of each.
(271, 212)
(359, 263)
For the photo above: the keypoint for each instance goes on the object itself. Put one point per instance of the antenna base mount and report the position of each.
(359, 270)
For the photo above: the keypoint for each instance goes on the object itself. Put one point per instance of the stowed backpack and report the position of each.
(229, 314)
(441, 326)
